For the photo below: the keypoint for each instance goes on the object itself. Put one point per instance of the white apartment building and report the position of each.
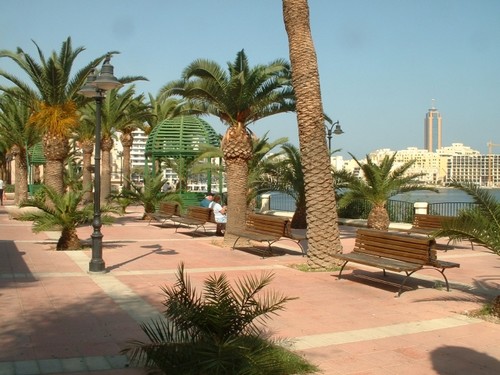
(137, 158)
(452, 163)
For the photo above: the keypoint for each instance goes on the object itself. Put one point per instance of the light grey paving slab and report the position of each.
(118, 361)
(26, 368)
(97, 363)
(73, 364)
(336, 338)
(50, 366)
(6, 368)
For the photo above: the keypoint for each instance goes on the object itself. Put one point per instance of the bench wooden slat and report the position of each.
(380, 262)
(166, 211)
(395, 252)
(196, 216)
(428, 224)
(267, 228)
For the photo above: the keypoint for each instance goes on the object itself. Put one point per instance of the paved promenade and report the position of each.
(56, 318)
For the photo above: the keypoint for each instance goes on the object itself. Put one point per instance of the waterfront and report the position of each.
(283, 202)
(445, 195)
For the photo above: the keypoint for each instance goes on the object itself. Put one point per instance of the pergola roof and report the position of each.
(35, 154)
(180, 137)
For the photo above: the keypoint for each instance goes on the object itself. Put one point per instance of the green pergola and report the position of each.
(179, 138)
(35, 154)
(35, 157)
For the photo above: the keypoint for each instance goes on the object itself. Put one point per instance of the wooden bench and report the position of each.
(267, 228)
(166, 211)
(428, 224)
(196, 216)
(395, 252)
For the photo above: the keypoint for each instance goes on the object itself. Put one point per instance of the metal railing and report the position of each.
(449, 208)
(399, 211)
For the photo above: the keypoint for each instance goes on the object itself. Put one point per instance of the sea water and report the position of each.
(444, 195)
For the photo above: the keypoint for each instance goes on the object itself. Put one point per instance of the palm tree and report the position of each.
(63, 212)
(117, 113)
(480, 224)
(150, 195)
(380, 182)
(238, 97)
(215, 332)
(84, 135)
(14, 117)
(138, 113)
(54, 102)
(285, 174)
(322, 220)
(161, 109)
(256, 166)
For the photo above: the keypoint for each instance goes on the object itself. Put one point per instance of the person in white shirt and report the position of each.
(219, 215)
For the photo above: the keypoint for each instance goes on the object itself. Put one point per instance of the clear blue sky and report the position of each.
(381, 62)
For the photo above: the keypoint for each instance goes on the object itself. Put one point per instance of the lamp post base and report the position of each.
(96, 263)
(97, 266)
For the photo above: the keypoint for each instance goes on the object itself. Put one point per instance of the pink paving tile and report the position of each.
(66, 316)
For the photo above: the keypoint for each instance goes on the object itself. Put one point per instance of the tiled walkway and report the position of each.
(56, 318)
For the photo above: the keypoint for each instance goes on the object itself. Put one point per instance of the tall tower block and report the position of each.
(432, 130)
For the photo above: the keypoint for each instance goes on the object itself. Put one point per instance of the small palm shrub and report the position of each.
(380, 182)
(480, 223)
(62, 212)
(216, 332)
(148, 195)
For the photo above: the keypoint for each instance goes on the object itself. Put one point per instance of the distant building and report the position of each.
(137, 157)
(432, 130)
(452, 163)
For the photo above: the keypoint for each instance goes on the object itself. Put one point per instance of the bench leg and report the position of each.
(304, 251)
(234, 244)
(269, 248)
(408, 274)
(441, 271)
(341, 269)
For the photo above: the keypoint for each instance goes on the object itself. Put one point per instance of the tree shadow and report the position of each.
(65, 328)
(12, 263)
(457, 360)
(157, 249)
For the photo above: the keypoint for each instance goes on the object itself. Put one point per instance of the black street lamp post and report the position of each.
(330, 131)
(96, 87)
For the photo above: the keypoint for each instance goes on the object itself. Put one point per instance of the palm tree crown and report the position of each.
(53, 99)
(238, 97)
(242, 95)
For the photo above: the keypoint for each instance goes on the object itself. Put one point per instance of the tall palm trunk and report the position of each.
(87, 150)
(127, 139)
(106, 147)
(21, 188)
(55, 148)
(322, 220)
(237, 150)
